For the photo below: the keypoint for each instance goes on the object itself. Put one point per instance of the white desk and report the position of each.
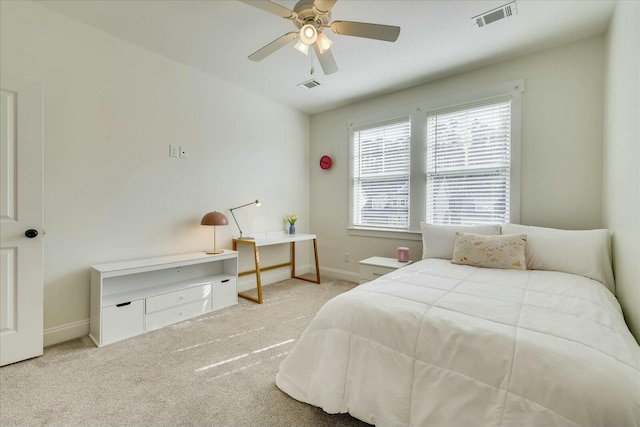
(276, 239)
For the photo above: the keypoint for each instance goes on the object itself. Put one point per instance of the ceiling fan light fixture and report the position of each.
(304, 48)
(311, 18)
(324, 43)
(308, 34)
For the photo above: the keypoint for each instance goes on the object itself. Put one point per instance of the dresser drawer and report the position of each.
(160, 319)
(372, 272)
(122, 321)
(225, 293)
(172, 299)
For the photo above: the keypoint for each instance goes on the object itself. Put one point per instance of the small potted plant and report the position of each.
(291, 219)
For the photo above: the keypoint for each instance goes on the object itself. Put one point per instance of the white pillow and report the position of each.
(438, 240)
(582, 252)
(506, 251)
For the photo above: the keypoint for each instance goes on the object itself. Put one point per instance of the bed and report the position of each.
(437, 343)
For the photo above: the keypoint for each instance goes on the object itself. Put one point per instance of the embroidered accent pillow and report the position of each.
(504, 251)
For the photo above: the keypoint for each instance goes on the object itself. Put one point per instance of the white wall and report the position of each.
(621, 195)
(112, 192)
(561, 181)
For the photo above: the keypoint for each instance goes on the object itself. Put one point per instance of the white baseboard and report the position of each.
(66, 332)
(349, 276)
(248, 282)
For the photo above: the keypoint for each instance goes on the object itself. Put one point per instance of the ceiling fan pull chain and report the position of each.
(312, 68)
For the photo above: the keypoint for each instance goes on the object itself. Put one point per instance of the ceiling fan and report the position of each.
(312, 18)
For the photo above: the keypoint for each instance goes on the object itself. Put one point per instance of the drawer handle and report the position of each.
(181, 297)
(122, 304)
(226, 280)
(378, 274)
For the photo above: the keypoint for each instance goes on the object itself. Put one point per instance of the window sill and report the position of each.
(384, 233)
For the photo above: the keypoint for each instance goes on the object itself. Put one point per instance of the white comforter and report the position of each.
(437, 344)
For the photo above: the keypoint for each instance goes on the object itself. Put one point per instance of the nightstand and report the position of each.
(374, 267)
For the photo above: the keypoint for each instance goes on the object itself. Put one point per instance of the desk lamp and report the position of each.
(257, 203)
(214, 218)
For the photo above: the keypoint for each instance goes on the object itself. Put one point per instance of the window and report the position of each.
(448, 161)
(381, 169)
(468, 165)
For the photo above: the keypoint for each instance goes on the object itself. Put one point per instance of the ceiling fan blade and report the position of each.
(326, 60)
(322, 7)
(282, 41)
(387, 33)
(272, 7)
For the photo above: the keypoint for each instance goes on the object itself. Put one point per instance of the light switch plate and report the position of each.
(174, 150)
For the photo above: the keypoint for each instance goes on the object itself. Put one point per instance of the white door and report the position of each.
(21, 168)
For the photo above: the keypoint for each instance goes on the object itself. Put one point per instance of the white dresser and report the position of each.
(132, 297)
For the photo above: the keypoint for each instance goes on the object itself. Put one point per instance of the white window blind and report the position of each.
(381, 169)
(468, 164)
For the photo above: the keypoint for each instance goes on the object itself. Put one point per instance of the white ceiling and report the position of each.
(438, 38)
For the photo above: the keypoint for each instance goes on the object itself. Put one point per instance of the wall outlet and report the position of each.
(184, 153)
(174, 150)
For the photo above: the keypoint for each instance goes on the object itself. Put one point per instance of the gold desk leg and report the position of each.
(256, 257)
(315, 253)
(293, 259)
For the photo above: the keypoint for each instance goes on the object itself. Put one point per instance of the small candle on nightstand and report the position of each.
(403, 254)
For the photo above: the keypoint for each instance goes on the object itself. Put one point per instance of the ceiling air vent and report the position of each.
(496, 14)
(309, 84)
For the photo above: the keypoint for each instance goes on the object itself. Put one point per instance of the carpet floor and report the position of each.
(215, 370)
